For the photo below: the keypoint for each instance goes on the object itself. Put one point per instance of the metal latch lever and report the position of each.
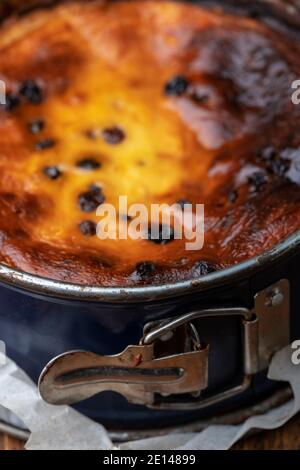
(135, 373)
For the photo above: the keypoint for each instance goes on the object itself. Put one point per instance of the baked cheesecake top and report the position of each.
(160, 101)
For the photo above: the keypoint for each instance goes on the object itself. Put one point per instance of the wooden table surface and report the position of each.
(286, 438)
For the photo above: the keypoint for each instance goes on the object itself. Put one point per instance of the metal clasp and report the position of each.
(266, 329)
(156, 374)
(136, 373)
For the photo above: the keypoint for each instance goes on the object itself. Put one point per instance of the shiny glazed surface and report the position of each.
(92, 102)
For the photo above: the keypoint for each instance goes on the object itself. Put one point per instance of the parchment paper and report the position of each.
(61, 427)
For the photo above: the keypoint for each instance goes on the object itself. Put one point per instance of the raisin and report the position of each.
(145, 269)
(257, 181)
(95, 187)
(113, 135)
(52, 172)
(165, 235)
(88, 164)
(125, 217)
(202, 268)
(183, 202)
(88, 228)
(279, 167)
(275, 164)
(90, 200)
(176, 86)
(32, 92)
(232, 196)
(45, 144)
(12, 101)
(36, 126)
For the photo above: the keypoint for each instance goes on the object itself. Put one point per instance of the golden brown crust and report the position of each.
(230, 140)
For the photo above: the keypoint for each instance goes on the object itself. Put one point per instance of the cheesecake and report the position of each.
(164, 102)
